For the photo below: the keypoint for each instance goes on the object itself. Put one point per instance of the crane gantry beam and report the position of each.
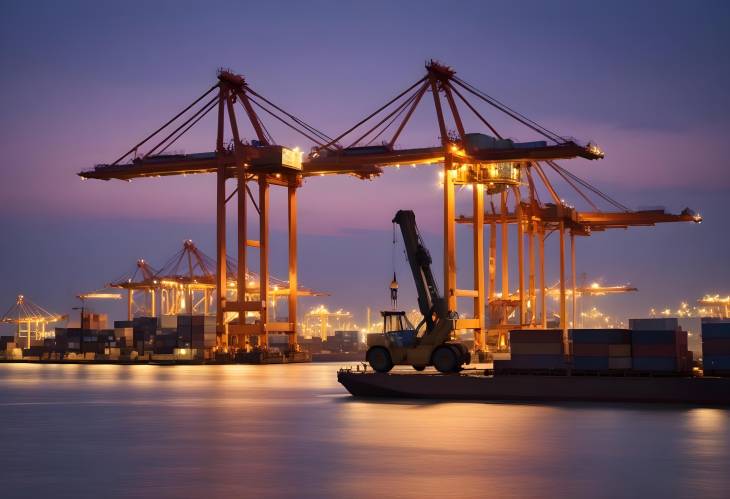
(360, 163)
(585, 222)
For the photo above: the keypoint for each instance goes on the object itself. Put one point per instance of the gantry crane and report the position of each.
(323, 315)
(29, 319)
(186, 283)
(487, 162)
(716, 305)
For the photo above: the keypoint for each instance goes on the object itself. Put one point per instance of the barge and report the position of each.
(481, 385)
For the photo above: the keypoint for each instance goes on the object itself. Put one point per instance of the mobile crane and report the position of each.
(429, 343)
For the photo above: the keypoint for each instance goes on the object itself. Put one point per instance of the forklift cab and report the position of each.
(398, 330)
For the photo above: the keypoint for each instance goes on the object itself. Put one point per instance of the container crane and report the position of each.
(30, 320)
(430, 342)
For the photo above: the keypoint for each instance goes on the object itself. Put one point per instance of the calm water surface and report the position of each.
(248, 431)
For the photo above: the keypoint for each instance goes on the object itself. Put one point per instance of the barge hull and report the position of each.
(665, 390)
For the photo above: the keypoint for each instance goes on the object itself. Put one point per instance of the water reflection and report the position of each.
(191, 431)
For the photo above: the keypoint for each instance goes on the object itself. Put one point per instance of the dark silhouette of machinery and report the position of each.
(430, 342)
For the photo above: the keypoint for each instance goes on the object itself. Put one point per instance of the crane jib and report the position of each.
(430, 303)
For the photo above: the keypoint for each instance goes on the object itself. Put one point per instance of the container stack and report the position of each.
(61, 339)
(165, 343)
(5, 341)
(144, 330)
(601, 349)
(716, 347)
(196, 331)
(534, 350)
(659, 346)
(124, 335)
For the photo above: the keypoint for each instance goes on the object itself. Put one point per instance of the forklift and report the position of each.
(430, 342)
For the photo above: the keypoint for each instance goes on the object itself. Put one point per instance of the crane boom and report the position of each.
(430, 302)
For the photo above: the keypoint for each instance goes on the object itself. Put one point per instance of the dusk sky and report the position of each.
(83, 81)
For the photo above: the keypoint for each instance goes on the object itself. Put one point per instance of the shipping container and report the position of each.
(537, 348)
(590, 350)
(713, 362)
(610, 336)
(623, 350)
(720, 346)
(590, 363)
(715, 330)
(536, 336)
(544, 362)
(656, 350)
(168, 322)
(124, 332)
(620, 363)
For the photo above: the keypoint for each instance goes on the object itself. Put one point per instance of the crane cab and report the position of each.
(398, 330)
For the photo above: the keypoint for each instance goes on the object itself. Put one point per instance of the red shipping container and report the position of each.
(657, 350)
(590, 349)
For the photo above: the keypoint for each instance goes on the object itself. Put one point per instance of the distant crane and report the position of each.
(30, 320)
(717, 306)
(323, 316)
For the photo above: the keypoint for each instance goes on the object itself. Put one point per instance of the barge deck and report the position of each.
(480, 386)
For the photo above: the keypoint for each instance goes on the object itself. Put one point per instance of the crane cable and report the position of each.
(394, 283)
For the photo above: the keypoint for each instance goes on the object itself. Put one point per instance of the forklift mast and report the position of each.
(430, 302)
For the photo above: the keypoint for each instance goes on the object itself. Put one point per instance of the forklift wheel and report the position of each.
(379, 359)
(462, 354)
(445, 360)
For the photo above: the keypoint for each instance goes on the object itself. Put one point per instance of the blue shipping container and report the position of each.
(591, 363)
(716, 330)
(721, 362)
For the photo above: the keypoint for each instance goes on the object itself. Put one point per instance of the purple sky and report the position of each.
(83, 81)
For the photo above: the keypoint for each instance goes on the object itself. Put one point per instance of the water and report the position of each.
(248, 431)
